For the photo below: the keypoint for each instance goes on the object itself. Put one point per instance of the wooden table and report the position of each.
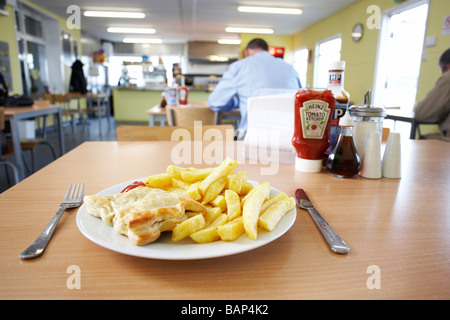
(397, 230)
(158, 113)
(15, 114)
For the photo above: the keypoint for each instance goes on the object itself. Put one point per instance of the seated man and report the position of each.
(257, 70)
(435, 107)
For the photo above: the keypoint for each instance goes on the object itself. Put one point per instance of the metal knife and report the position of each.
(337, 245)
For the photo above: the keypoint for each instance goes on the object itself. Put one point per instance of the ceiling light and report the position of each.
(131, 30)
(249, 30)
(141, 40)
(269, 10)
(229, 41)
(115, 14)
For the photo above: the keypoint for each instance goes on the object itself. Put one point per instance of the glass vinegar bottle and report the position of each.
(344, 161)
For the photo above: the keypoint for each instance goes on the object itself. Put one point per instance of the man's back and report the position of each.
(244, 76)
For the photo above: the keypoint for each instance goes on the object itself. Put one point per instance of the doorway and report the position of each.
(399, 55)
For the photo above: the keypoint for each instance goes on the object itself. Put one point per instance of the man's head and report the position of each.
(255, 46)
(444, 61)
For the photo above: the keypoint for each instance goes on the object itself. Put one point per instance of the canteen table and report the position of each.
(397, 231)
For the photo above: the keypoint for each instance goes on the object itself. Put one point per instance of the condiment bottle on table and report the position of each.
(344, 161)
(336, 85)
(313, 114)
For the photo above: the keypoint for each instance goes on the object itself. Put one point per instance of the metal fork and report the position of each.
(73, 199)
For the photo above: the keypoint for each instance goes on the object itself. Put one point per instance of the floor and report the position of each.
(88, 131)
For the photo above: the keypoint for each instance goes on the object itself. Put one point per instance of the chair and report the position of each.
(146, 133)
(185, 116)
(31, 144)
(64, 101)
(8, 152)
(97, 105)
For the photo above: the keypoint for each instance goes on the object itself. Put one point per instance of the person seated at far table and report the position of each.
(435, 107)
(257, 70)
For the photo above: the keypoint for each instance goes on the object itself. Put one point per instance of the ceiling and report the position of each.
(203, 20)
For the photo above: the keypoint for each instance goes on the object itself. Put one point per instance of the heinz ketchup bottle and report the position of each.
(313, 115)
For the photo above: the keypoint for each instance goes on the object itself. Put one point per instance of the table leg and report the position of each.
(412, 135)
(17, 147)
(216, 118)
(151, 120)
(58, 121)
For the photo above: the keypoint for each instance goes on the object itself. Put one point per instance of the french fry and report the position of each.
(231, 230)
(174, 171)
(161, 181)
(209, 234)
(192, 191)
(187, 227)
(271, 201)
(214, 189)
(212, 213)
(273, 214)
(252, 207)
(246, 188)
(220, 202)
(180, 184)
(193, 175)
(233, 204)
(237, 180)
(223, 170)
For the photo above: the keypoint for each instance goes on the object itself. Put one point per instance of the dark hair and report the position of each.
(445, 58)
(258, 44)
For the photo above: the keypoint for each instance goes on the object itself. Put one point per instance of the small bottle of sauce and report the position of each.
(336, 85)
(183, 93)
(313, 115)
(344, 161)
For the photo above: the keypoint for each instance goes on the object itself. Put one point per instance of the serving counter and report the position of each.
(131, 104)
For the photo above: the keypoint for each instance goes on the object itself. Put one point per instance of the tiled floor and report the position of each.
(83, 132)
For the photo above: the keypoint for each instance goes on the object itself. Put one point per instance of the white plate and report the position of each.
(164, 248)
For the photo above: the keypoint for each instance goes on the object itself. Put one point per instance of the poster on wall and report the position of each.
(446, 26)
(277, 52)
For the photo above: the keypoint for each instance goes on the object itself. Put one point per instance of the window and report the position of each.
(400, 55)
(39, 50)
(301, 64)
(326, 51)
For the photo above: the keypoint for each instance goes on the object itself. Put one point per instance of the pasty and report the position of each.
(142, 213)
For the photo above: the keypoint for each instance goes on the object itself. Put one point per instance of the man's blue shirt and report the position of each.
(244, 76)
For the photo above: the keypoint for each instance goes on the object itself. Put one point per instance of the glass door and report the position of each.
(399, 56)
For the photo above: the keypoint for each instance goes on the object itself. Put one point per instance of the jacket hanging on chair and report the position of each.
(77, 79)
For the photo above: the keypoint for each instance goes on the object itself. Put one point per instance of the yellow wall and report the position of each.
(7, 34)
(360, 57)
